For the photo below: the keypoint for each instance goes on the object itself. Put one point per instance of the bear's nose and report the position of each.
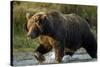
(28, 36)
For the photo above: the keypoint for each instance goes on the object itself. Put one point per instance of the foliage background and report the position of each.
(20, 8)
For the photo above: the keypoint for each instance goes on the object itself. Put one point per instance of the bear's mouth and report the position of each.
(33, 35)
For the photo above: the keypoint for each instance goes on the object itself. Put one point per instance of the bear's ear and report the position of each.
(28, 15)
(44, 19)
(44, 16)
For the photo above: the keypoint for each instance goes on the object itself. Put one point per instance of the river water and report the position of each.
(27, 58)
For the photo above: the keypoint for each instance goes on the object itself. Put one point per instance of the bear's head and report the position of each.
(36, 24)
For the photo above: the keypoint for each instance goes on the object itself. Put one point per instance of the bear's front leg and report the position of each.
(59, 53)
(40, 51)
(39, 57)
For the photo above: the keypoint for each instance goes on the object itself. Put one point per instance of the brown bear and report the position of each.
(71, 32)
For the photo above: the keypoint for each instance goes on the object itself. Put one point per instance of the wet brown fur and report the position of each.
(61, 33)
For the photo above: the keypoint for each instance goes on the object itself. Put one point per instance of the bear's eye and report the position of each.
(36, 20)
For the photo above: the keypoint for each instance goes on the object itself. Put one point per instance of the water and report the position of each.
(27, 58)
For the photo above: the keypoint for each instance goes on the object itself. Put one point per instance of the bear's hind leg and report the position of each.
(89, 43)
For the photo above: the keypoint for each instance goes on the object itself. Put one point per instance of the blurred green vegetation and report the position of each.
(20, 8)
